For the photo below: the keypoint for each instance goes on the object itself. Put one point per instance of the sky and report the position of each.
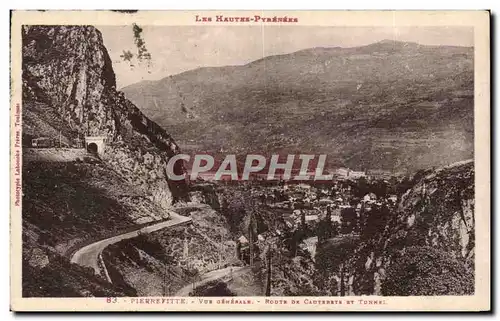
(175, 49)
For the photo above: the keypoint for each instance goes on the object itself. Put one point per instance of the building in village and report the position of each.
(369, 197)
(346, 173)
(342, 172)
(243, 248)
(356, 174)
(148, 158)
(393, 198)
(376, 174)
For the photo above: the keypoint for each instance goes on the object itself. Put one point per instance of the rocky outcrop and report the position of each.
(37, 258)
(439, 211)
(70, 198)
(434, 221)
(68, 70)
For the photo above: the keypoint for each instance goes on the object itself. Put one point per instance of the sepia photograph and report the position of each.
(249, 158)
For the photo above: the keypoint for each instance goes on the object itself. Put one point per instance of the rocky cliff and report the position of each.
(69, 197)
(427, 246)
(69, 88)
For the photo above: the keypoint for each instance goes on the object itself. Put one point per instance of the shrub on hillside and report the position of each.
(423, 270)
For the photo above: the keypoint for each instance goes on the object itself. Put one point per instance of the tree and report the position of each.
(423, 270)
(375, 222)
(380, 188)
(303, 225)
(269, 272)
(332, 256)
(404, 185)
(251, 239)
(348, 219)
(362, 187)
(325, 228)
(127, 55)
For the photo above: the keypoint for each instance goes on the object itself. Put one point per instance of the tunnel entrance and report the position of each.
(95, 144)
(92, 148)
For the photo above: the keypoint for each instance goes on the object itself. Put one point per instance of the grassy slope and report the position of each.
(66, 205)
(60, 278)
(75, 200)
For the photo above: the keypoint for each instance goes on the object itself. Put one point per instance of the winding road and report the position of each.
(212, 276)
(90, 255)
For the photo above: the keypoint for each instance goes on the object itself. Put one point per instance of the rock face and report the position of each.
(441, 208)
(435, 221)
(67, 71)
(70, 68)
(38, 258)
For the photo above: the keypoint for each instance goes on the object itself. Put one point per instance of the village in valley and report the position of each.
(319, 210)
(308, 212)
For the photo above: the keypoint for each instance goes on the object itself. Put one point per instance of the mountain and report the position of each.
(70, 90)
(71, 198)
(389, 105)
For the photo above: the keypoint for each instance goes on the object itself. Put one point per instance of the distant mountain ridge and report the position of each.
(391, 105)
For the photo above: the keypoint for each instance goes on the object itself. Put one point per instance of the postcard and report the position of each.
(250, 161)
